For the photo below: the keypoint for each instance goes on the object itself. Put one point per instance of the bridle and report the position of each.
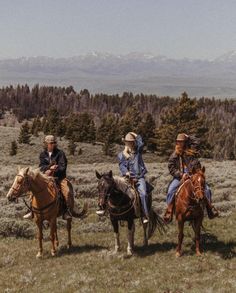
(107, 203)
(22, 186)
(106, 195)
(198, 189)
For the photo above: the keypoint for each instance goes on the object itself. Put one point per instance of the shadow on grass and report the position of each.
(76, 249)
(226, 250)
(153, 248)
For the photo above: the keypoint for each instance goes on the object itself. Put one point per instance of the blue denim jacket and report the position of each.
(134, 164)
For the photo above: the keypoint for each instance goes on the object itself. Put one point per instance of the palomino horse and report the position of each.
(189, 206)
(45, 203)
(121, 208)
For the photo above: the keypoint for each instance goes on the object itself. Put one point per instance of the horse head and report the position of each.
(20, 185)
(105, 186)
(199, 181)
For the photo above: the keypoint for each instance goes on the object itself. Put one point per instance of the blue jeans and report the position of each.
(142, 189)
(173, 187)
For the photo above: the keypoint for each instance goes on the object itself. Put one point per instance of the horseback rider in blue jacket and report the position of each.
(132, 166)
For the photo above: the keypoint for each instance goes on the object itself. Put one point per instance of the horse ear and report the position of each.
(18, 168)
(193, 171)
(110, 174)
(99, 176)
(26, 171)
(203, 169)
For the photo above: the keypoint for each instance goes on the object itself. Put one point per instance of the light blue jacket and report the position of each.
(134, 164)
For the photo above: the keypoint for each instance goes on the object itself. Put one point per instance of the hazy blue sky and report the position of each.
(61, 28)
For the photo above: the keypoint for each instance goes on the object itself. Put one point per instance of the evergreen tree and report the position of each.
(109, 128)
(182, 118)
(147, 131)
(24, 136)
(71, 147)
(108, 147)
(53, 120)
(36, 126)
(81, 128)
(13, 150)
(131, 121)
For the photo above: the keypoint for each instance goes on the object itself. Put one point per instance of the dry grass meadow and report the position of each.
(91, 265)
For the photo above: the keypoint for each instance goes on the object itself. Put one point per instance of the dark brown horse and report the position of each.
(189, 206)
(46, 204)
(121, 208)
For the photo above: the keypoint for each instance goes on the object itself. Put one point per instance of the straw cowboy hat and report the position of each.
(50, 139)
(182, 137)
(129, 137)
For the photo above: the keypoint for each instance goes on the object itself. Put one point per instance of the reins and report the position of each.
(130, 205)
(32, 208)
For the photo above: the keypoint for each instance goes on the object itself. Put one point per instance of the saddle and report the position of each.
(60, 198)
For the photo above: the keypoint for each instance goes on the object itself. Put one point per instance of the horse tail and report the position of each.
(155, 222)
(81, 214)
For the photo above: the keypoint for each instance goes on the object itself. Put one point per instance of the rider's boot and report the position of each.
(211, 210)
(100, 211)
(169, 212)
(145, 219)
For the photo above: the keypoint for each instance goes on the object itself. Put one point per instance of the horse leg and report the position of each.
(56, 239)
(180, 237)
(133, 231)
(130, 237)
(145, 237)
(53, 231)
(116, 234)
(68, 226)
(197, 224)
(40, 238)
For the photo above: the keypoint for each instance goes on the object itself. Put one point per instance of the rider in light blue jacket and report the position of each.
(131, 165)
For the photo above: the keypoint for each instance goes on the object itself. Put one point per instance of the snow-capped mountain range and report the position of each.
(137, 72)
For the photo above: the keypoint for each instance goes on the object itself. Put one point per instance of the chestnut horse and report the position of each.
(189, 206)
(46, 204)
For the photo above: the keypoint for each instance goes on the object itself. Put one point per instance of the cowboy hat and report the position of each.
(129, 137)
(50, 139)
(182, 137)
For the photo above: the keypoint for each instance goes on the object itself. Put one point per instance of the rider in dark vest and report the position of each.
(182, 160)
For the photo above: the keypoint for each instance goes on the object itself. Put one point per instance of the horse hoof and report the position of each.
(178, 254)
(117, 249)
(145, 244)
(53, 253)
(129, 252)
(39, 255)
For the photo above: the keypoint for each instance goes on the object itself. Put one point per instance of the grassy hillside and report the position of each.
(91, 266)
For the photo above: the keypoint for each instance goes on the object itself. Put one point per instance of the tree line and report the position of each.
(81, 117)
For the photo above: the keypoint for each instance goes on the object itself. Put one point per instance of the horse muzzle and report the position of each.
(11, 197)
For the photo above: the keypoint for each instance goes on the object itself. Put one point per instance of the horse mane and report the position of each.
(121, 184)
(34, 173)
